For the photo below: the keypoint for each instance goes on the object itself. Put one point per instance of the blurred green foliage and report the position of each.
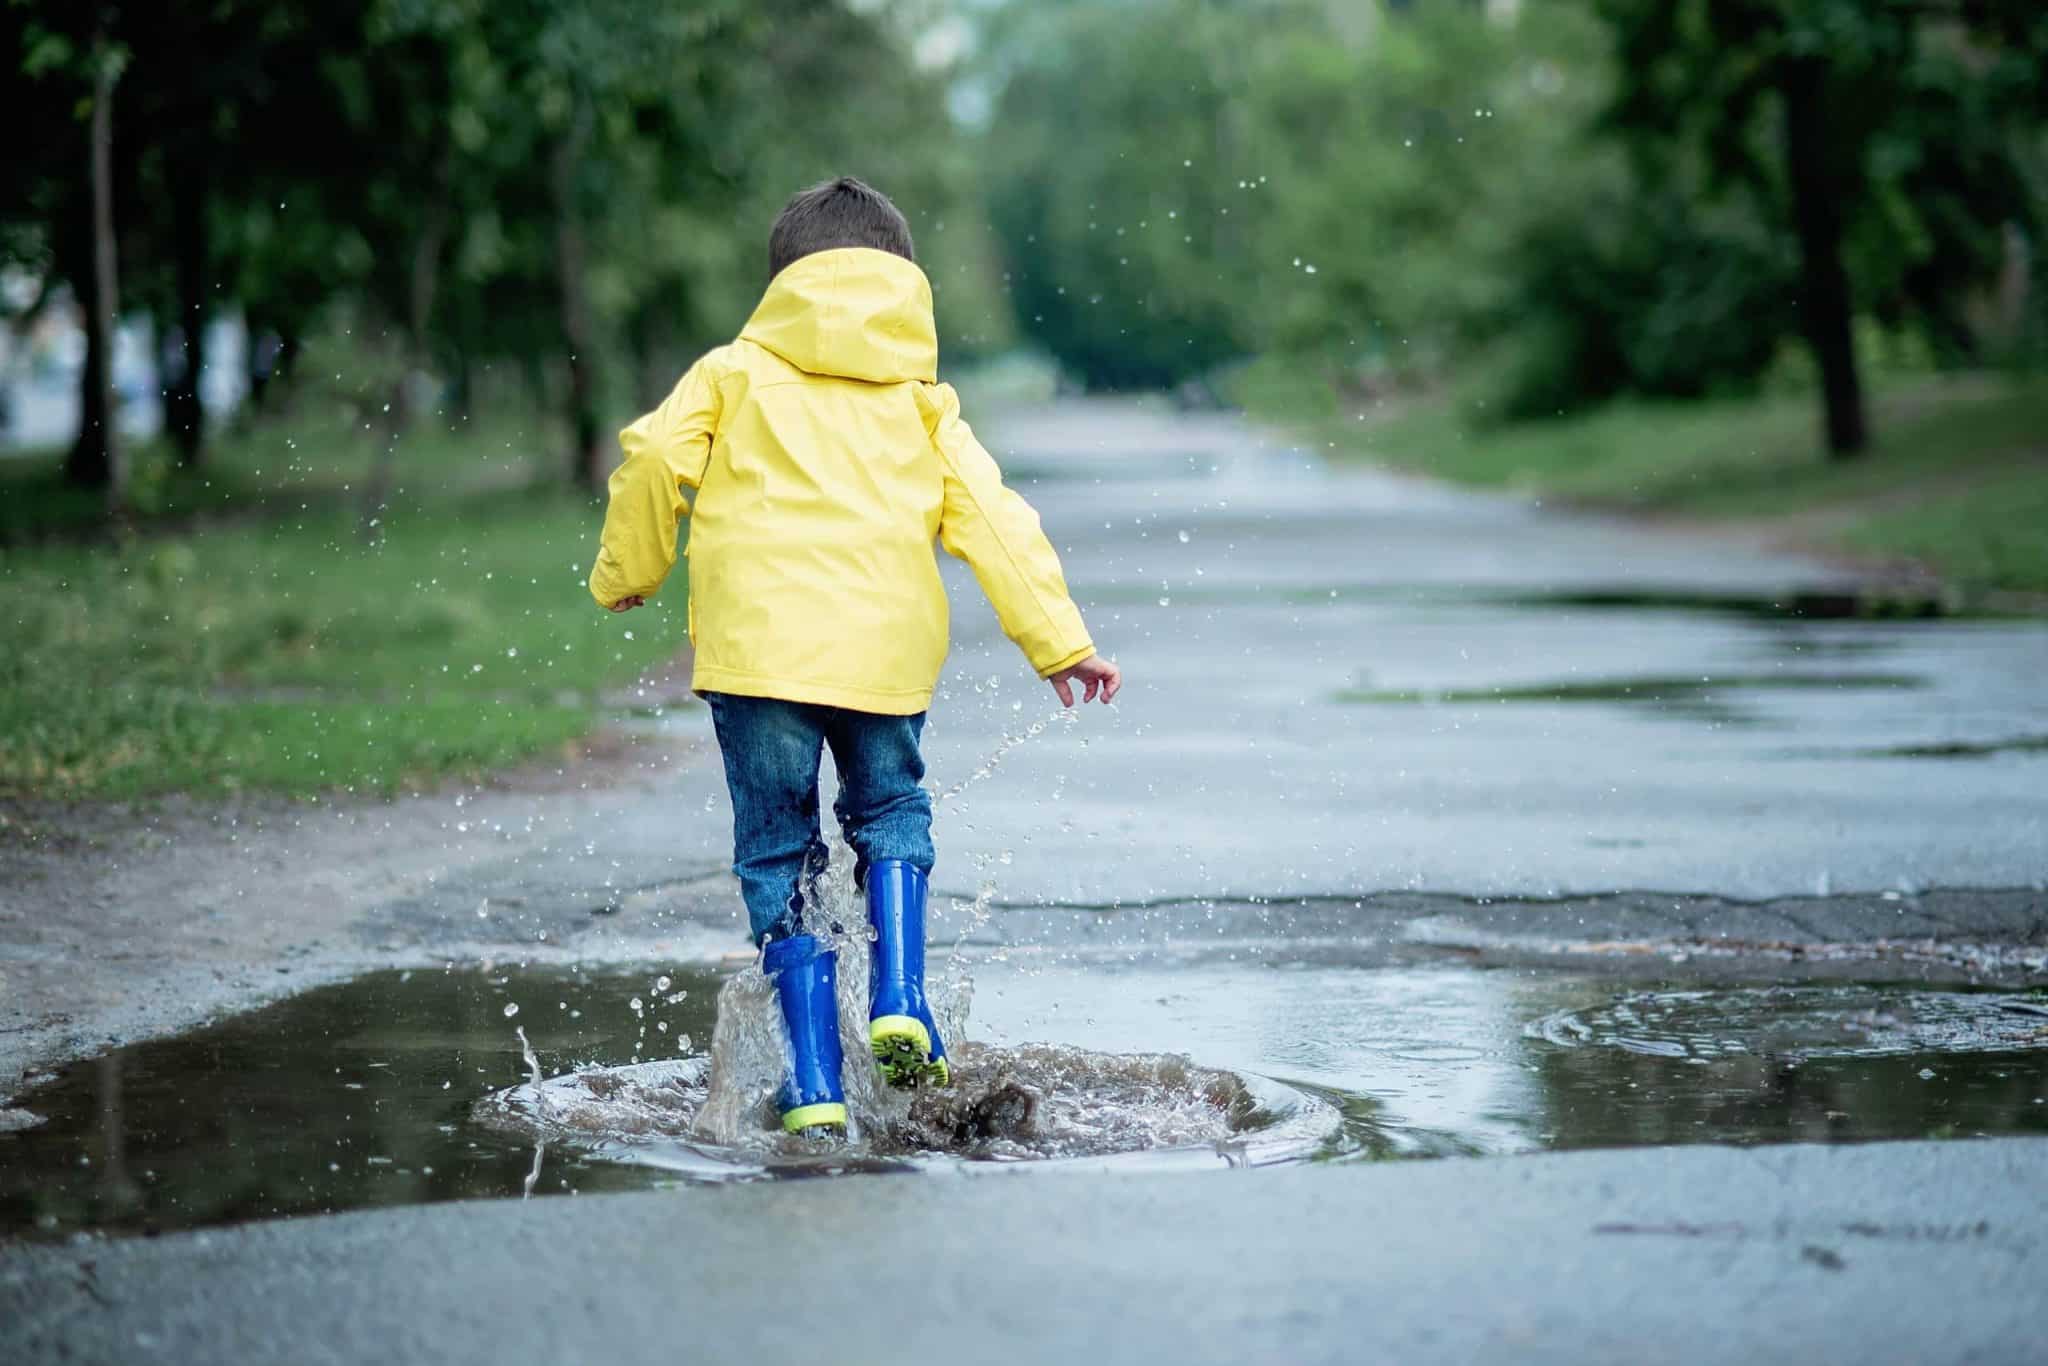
(1583, 200)
(581, 191)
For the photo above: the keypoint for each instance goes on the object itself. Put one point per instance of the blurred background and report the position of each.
(317, 316)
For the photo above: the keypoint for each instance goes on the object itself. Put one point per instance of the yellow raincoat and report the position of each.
(823, 457)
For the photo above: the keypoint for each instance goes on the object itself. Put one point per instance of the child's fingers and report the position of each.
(1088, 693)
(1064, 689)
(1112, 683)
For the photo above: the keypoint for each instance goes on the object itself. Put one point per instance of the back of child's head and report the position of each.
(836, 213)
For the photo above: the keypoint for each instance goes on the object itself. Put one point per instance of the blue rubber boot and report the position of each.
(901, 1030)
(805, 974)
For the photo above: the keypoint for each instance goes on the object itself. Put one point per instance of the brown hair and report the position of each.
(836, 213)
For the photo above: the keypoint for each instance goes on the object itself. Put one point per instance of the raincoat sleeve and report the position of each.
(997, 533)
(665, 453)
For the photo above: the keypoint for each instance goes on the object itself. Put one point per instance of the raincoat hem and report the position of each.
(852, 697)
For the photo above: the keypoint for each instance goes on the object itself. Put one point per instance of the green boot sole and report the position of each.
(903, 1052)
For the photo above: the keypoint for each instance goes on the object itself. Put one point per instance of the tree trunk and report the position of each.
(290, 347)
(184, 412)
(461, 387)
(422, 280)
(1824, 306)
(652, 342)
(96, 459)
(586, 466)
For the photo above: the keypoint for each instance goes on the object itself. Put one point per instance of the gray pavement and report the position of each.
(1908, 1253)
(1247, 588)
(1232, 769)
(1233, 772)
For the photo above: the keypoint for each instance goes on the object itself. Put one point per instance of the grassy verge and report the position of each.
(276, 649)
(1956, 478)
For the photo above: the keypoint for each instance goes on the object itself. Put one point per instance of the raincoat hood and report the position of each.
(855, 313)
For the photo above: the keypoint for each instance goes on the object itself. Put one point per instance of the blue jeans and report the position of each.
(771, 750)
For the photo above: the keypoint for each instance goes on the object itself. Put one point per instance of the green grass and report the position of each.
(279, 651)
(1955, 476)
(1994, 533)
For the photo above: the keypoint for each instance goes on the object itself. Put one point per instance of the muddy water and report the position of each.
(404, 1087)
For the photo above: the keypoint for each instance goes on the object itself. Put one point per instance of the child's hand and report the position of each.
(1093, 672)
(628, 604)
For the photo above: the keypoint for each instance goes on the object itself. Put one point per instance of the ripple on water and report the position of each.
(1799, 1022)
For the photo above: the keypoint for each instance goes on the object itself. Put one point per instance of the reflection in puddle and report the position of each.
(410, 1087)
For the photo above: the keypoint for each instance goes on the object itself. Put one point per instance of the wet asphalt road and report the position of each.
(1899, 1253)
(1236, 768)
(1283, 626)
(1233, 766)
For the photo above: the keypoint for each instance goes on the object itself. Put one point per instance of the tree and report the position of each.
(96, 459)
(1888, 135)
(1116, 184)
(457, 183)
(59, 199)
(198, 91)
(1178, 184)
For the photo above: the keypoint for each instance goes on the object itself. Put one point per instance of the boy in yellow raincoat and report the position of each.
(821, 458)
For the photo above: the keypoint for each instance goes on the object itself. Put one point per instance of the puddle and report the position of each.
(713, 1115)
(409, 1087)
(1706, 697)
(1845, 604)
(1799, 1024)
(1959, 749)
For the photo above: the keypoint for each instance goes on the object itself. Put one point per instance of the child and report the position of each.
(824, 457)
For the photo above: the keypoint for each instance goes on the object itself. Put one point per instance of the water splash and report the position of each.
(749, 1047)
(540, 1151)
(1036, 1102)
(533, 1077)
(714, 1114)
(947, 799)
